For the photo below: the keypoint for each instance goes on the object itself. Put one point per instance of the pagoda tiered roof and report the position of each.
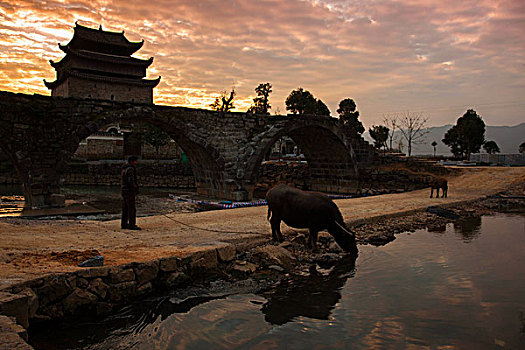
(103, 57)
(96, 77)
(113, 43)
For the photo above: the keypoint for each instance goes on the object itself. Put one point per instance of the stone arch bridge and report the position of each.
(41, 133)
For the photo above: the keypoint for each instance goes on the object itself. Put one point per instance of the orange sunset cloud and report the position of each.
(389, 56)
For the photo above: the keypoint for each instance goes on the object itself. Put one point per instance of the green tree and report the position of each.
(224, 103)
(467, 136)
(349, 115)
(321, 108)
(380, 135)
(155, 136)
(491, 147)
(522, 148)
(261, 104)
(451, 139)
(302, 101)
(434, 144)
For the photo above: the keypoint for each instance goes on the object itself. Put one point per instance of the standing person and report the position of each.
(129, 188)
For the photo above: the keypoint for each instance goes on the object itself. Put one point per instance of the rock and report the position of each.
(206, 259)
(169, 264)
(276, 268)
(93, 273)
(78, 300)
(12, 335)
(273, 255)
(173, 279)
(226, 252)
(50, 312)
(146, 272)
(93, 262)
(32, 302)
(82, 283)
(118, 274)
(379, 238)
(299, 239)
(122, 291)
(98, 287)
(439, 211)
(286, 244)
(145, 288)
(327, 260)
(15, 305)
(55, 287)
(244, 267)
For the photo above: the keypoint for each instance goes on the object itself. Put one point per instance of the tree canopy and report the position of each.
(321, 108)
(261, 103)
(491, 147)
(349, 115)
(155, 136)
(302, 101)
(380, 135)
(522, 148)
(467, 136)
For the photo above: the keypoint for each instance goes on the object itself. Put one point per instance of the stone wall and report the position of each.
(83, 88)
(98, 291)
(111, 146)
(95, 148)
(150, 174)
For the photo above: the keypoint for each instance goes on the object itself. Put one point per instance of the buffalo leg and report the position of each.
(312, 239)
(431, 192)
(276, 229)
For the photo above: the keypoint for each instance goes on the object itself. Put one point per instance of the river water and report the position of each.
(461, 288)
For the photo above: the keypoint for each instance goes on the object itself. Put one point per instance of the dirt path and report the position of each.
(28, 248)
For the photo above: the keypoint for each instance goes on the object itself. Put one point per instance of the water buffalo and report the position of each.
(437, 183)
(311, 210)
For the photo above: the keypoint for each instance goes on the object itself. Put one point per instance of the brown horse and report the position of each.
(438, 183)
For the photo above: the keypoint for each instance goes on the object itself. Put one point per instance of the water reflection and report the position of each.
(469, 228)
(312, 296)
(457, 289)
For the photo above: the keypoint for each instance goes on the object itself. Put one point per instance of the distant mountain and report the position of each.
(508, 139)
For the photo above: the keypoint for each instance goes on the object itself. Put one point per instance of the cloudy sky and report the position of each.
(427, 56)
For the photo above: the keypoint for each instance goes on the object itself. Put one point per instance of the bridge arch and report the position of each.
(330, 156)
(206, 162)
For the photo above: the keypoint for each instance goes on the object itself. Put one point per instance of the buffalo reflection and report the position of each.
(469, 228)
(312, 296)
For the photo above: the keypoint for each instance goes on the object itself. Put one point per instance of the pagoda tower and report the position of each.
(98, 65)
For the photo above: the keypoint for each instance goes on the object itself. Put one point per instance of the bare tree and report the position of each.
(224, 103)
(391, 122)
(413, 127)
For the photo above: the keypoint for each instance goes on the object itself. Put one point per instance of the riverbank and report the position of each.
(33, 248)
(177, 249)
